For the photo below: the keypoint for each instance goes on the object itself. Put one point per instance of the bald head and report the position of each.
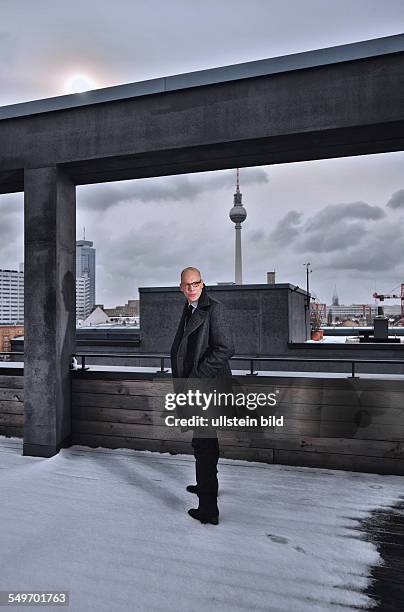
(189, 269)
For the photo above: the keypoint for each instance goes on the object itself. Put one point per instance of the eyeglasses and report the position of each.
(193, 285)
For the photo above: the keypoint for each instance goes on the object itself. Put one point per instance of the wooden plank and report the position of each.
(309, 412)
(338, 397)
(12, 382)
(342, 446)
(130, 431)
(354, 463)
(16, 395)
(358, 384)
(298, 427)
(123, 387)
(161, 446)
(247, 454)
(11, 407)
(243, 439)
(298, 393)
(11, 419)
(333, 429)
(109, 400)
(117, 415)
(377, 414)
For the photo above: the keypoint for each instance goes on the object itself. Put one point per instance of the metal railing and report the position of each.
(251, 359)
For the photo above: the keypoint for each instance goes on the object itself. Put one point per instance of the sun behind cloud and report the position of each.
(78, 83)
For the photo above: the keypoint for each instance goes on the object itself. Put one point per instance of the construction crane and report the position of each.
(392, 296)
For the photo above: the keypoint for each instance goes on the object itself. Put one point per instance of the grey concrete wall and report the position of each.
(259, 316)
(49, 297)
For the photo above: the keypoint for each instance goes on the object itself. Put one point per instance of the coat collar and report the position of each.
(204, 299)
(198, 316)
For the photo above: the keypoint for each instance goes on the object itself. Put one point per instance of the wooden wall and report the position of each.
(11, 406)
(336, 423)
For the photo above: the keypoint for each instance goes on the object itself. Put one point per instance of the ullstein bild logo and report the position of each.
(213, 402)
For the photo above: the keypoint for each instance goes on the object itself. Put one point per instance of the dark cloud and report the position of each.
(347, 237)
(333, 228)
(338, 226)
(396, 201)
(287, 229)
(334, 237)
(335, 213)
(380, 252)
(185, 187)
(255, 236)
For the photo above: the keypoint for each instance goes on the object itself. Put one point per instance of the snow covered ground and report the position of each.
(111, 527)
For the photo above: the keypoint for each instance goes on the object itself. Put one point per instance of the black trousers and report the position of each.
(206, 453)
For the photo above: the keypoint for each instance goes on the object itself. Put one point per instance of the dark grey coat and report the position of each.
(203, 350)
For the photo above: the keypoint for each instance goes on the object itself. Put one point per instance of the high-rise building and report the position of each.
(85, 264)
(83, 299)
(12, 296)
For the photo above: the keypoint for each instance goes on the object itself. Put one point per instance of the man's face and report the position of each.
(191, 285)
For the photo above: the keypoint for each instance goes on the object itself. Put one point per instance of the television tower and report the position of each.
(238, 214)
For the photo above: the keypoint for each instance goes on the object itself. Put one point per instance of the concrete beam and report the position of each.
(349, 107)
(50, 306)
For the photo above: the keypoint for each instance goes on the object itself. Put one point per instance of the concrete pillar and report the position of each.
(50, 308)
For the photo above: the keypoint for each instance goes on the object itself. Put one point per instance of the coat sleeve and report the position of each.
(221, 345)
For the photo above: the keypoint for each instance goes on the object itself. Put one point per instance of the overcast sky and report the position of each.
(345, 216)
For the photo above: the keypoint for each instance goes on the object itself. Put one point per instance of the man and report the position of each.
(201, 349)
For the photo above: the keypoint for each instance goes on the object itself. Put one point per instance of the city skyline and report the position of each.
(343, 215)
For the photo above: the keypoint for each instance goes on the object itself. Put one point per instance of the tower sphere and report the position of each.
(238, 214)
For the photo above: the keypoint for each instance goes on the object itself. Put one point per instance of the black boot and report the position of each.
(204, 517)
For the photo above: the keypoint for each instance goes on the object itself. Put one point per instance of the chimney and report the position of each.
(271, 278)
